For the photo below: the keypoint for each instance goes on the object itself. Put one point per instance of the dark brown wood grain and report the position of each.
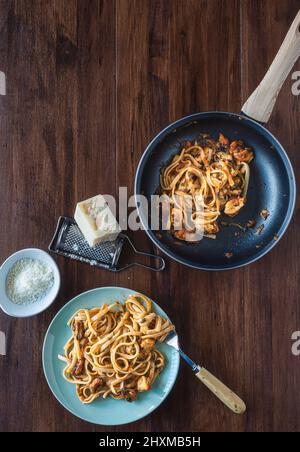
(89, 83)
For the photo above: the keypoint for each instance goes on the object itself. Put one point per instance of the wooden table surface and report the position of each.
(89, 83)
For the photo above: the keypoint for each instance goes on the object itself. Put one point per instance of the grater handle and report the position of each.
(142, 253)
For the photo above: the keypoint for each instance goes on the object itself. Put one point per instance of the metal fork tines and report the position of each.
(172, 341)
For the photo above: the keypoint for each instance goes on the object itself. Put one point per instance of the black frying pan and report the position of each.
(272, 181)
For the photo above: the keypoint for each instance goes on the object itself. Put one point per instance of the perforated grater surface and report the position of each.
(68, 241)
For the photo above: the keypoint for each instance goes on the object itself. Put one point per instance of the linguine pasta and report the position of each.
(213, 171)
(112, 349)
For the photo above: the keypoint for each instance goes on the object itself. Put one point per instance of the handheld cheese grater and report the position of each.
(68, 241)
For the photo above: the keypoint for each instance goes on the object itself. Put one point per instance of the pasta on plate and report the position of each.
(112, 349)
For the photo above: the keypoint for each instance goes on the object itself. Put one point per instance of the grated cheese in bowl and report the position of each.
(28, 281)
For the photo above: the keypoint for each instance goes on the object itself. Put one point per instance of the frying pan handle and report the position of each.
(260, 104)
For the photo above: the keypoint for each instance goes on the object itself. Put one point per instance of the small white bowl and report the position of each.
(28, 310)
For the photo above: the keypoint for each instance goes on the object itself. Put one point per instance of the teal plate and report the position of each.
(102, 411)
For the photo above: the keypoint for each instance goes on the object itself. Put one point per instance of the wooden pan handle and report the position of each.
(260, 104)
(229, 398)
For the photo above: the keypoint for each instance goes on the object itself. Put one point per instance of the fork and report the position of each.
(228, 397)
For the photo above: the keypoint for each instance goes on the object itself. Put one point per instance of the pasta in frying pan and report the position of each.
(217, 171)
(112, 349)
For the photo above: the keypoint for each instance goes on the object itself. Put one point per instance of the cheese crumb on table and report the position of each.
(96, 221)
(28, 281)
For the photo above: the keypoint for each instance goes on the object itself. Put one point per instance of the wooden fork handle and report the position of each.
(228, 397)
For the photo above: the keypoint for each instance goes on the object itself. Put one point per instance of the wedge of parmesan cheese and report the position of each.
(96, 221)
